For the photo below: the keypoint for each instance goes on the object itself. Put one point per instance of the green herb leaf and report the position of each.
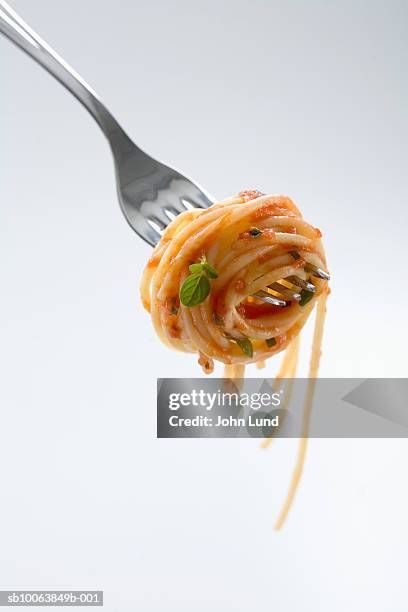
(294, 254)
(203, 266)
(174, 310)
(209, 270)
(271, 342)
(305, 297)
(194, 290)
(245, 345)
(255, 231)
(196, 268)
(196, 287)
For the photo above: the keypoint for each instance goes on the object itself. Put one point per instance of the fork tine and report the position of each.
(157, 224)
(317, 271)
(174, 203)
(194, 194)
(169, 208)
(285, 291)
(191, 203)
(269, 299)
(170, 214)
(188, 204)
(299, 282)
(146, 229)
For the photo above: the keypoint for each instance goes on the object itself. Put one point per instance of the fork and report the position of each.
(150, 193)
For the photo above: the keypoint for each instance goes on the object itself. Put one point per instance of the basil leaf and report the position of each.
(203, 266)
(305, 297)
(196, 268)
(271, 342)
(209, 270)
(245, 345)
(194, 290)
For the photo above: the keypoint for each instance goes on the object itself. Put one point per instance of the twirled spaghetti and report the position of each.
(251, 241)
(202, 283)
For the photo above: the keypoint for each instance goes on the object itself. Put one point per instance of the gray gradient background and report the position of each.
(303, 98)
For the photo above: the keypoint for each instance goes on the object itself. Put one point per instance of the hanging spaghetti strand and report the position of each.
(303, 442)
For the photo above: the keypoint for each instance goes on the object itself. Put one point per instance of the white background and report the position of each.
(303, 98)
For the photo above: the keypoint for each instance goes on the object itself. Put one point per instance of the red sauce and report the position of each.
(146, 305)
(252, 310)
(250, 194)
(265, 211)
(174, 331)
(206, 363)
(153, 261)
(264, 257)
(240, 285)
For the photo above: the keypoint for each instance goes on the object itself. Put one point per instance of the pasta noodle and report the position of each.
(201, 288)
(250, 242)
(313, 371)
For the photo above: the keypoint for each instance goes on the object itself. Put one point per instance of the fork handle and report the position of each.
(24, 37)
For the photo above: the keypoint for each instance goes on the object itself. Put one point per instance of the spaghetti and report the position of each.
(249, 242)
(202, 283)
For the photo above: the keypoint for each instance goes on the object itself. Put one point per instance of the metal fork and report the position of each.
(150, 193)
